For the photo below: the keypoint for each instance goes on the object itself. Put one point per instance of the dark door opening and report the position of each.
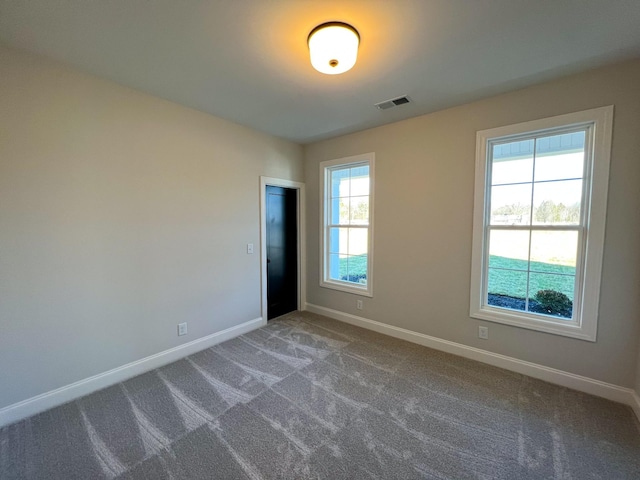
(282, 251)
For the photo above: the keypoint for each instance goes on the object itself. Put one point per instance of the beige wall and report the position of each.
(638, 373)
(121, 215)
(423, 224)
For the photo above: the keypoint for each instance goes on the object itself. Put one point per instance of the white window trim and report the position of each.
(596, 180)
(325, 281)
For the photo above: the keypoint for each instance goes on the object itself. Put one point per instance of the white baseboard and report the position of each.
(53, 398)
(551, 375)
(635, 403)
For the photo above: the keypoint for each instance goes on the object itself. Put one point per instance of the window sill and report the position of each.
(342, 287)
(534, 322)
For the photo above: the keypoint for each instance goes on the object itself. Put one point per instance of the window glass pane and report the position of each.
(340, 182)
(335, 266)
(549, 281)
(511, 205)
(358, 241)
(344, 210)
(509, 249)
(339, 211)
(554, 252)
(359, 181)
(357, 269)
(560, 157)
(359, 210)
(557, 203)
(507, 288)
(551, 294)
(338, 240)
(512, 162)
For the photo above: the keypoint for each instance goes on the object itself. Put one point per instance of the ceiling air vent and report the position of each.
(394, 102)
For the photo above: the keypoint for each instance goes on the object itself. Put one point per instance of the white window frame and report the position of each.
(584, 323)
(325, 183)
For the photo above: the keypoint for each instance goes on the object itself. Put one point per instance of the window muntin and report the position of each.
(346, 230)
(539, 222)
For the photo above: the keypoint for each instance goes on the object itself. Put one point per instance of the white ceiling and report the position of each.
(247, 60)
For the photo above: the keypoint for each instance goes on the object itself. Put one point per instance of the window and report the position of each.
(539, 217)
(347, 224)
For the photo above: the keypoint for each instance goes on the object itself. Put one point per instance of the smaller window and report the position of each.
(541, 192)
(347, 224)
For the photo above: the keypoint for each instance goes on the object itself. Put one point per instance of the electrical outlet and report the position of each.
(359, 304)
(483, 332)
(249, 248)
(182, 329)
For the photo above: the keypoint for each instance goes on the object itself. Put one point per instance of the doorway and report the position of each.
(282, 248)
(282, 251)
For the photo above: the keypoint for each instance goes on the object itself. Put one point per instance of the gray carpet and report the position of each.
(310, 397)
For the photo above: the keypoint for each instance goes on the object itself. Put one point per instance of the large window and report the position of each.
(347, 223)
(541, 190)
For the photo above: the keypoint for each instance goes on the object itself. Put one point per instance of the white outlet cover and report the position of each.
(483, 332)
(182, 329)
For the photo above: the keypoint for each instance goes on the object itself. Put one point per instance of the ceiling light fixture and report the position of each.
(333, 47)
